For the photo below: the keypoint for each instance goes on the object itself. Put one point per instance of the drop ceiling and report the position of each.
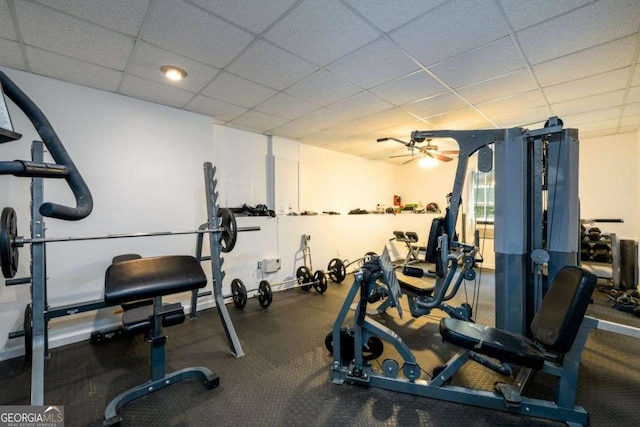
(340, 74)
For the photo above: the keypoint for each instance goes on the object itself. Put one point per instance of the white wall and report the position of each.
(143, 164)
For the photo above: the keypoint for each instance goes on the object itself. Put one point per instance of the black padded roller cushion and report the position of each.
(557, 322)
(152, 277)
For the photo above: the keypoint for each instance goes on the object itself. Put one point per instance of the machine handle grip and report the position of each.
(84, 200)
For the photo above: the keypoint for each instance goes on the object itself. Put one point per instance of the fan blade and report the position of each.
(450, 152)
(441, 157)
(412, 160)
(401, 155)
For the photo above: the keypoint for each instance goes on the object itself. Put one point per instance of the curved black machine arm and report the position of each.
(468, 142)
(84, 201)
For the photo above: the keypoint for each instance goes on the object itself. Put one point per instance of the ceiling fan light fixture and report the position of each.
(173, 73)
(428, 162)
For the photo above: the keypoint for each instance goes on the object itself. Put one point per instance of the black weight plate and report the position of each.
(320, 281)
(28, 333)
(336, 270)
(304, 276)
(265, 296)
(373, 349)
(9, 255)
(370, 351)
(229, 235)
(239, 293)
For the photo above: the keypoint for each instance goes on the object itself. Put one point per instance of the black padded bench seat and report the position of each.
(499, 344)
(152, 277)
(415, 290)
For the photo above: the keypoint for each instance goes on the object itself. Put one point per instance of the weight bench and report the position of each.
(410, 238)
(136, 279)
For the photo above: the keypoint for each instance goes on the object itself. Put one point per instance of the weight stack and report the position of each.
(628, 264)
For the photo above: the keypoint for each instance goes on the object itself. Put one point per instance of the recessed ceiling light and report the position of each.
(173, 73)
(427, 162)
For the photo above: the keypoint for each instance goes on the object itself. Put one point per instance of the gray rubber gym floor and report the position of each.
(284, 377)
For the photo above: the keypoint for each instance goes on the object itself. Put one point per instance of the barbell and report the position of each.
(10, 241)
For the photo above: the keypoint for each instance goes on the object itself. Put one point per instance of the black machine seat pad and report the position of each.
(151, 277)
(496, 343)
(415, 290)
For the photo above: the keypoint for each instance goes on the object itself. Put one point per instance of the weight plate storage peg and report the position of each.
(265, 296)
(9, 255)
(304, 276)
(239, 293)
(336, 270)
(319, 281)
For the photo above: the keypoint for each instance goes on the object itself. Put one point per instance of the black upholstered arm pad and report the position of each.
(152, 277)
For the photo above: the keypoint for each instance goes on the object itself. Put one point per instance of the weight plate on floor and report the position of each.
(9, 255)
(304, 276)
(229, 235)
(320, 282)
(336, 270)
(265, 296)
(239, 293)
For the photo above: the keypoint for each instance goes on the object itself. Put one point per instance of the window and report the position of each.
(483, 197)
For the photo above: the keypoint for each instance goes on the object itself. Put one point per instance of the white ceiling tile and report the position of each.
(435, 105)
(604, 124)
(69, 36)
(499, 87)
(320, 119)
(582, 105)
(597, 133)
(11, 55)
(360, 105)
(374, 64)
(527, 118)
(522, 101)
(346, 130)
(71, 70)
(628, 129)
(183, 28)
(236, 90)
(6, 25)
(593, 85)
(221, 111)
(413, 87)
(387, 118)
(587, 119)
(254, 15)
(286, 106)
(259, 121)
(321, 31)
(271, 66)
(597, 23)
(323, 88)
(154, 92)
(634, 94)
(636, 76)
(294, 130)
(388, 15)
(123, 16)
(525, 13)
(632, 109)
(466, 118)
(435, 36)
(495, 59)
(404, 131)
(628, 121)
(610, 56)
(147, 60)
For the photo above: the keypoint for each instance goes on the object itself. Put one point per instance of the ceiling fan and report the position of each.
(428, 150)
